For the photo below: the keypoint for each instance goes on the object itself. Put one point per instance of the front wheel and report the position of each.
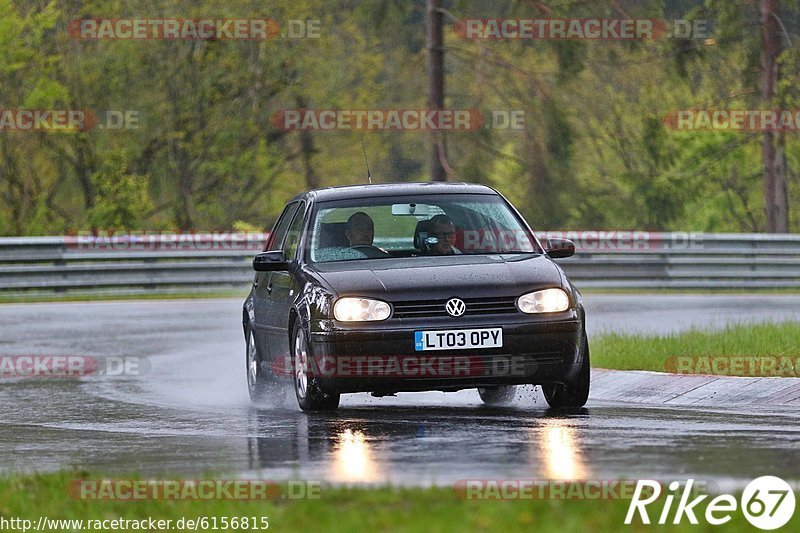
(503, 395)
(309, 396)
(576, 393)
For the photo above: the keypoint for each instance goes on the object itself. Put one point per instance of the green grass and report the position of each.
(642, 352)
(343, 509)
(681, 290)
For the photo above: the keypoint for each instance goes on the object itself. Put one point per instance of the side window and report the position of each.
(294, 234)
(281, 227)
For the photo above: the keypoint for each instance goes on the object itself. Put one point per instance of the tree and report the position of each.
(774, 145)
(436, 83)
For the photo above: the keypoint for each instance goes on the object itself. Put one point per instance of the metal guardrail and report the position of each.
(66, 265)
(693, 261)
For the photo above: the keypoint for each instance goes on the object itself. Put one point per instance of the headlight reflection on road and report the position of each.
(354, 461)
(561, 451)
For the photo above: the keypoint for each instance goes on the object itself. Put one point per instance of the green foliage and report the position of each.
(594, 151)
(121, 199)
(241, 225)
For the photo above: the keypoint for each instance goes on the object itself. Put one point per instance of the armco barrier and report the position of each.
(30, 265)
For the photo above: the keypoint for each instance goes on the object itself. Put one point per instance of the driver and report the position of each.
(360, 230)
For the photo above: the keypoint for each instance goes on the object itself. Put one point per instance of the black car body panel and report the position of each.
(442, 277)
(542, 348)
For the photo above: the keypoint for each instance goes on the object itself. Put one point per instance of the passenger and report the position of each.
(444, 230)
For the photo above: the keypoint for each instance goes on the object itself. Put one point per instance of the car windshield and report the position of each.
(452, 224)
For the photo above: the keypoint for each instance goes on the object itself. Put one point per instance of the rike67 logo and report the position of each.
(767, 502)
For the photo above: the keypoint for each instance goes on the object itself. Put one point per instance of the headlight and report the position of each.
(360, 310)
(546, 301)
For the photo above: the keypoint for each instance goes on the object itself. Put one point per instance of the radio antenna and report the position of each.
(369, 176)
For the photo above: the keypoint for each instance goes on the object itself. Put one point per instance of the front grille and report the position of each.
(435, 308)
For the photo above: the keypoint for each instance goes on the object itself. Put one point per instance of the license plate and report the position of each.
(459, 339)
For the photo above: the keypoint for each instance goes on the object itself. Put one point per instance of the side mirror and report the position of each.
(270, 261)
(558, 248)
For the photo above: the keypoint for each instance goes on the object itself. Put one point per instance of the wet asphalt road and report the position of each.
(190, 413)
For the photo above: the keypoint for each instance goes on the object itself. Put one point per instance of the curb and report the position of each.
(638, 386)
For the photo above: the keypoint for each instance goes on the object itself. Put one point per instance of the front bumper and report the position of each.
(380, 357)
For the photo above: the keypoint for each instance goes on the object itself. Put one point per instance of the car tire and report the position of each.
(575, 394)
(309, 395)
(498, 395)
(259, 382)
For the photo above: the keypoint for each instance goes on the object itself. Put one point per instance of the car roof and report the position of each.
(348, 192)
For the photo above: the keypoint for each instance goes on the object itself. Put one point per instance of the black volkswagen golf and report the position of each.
(412, 287)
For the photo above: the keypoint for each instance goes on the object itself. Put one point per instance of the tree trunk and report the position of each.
(435, 83)
(774, 145)
(307, 151)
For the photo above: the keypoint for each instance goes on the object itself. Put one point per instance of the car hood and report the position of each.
(423, 278)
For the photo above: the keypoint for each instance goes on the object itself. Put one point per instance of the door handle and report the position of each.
(269, 288)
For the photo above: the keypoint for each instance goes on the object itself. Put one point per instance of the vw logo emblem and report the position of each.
(455, 307)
